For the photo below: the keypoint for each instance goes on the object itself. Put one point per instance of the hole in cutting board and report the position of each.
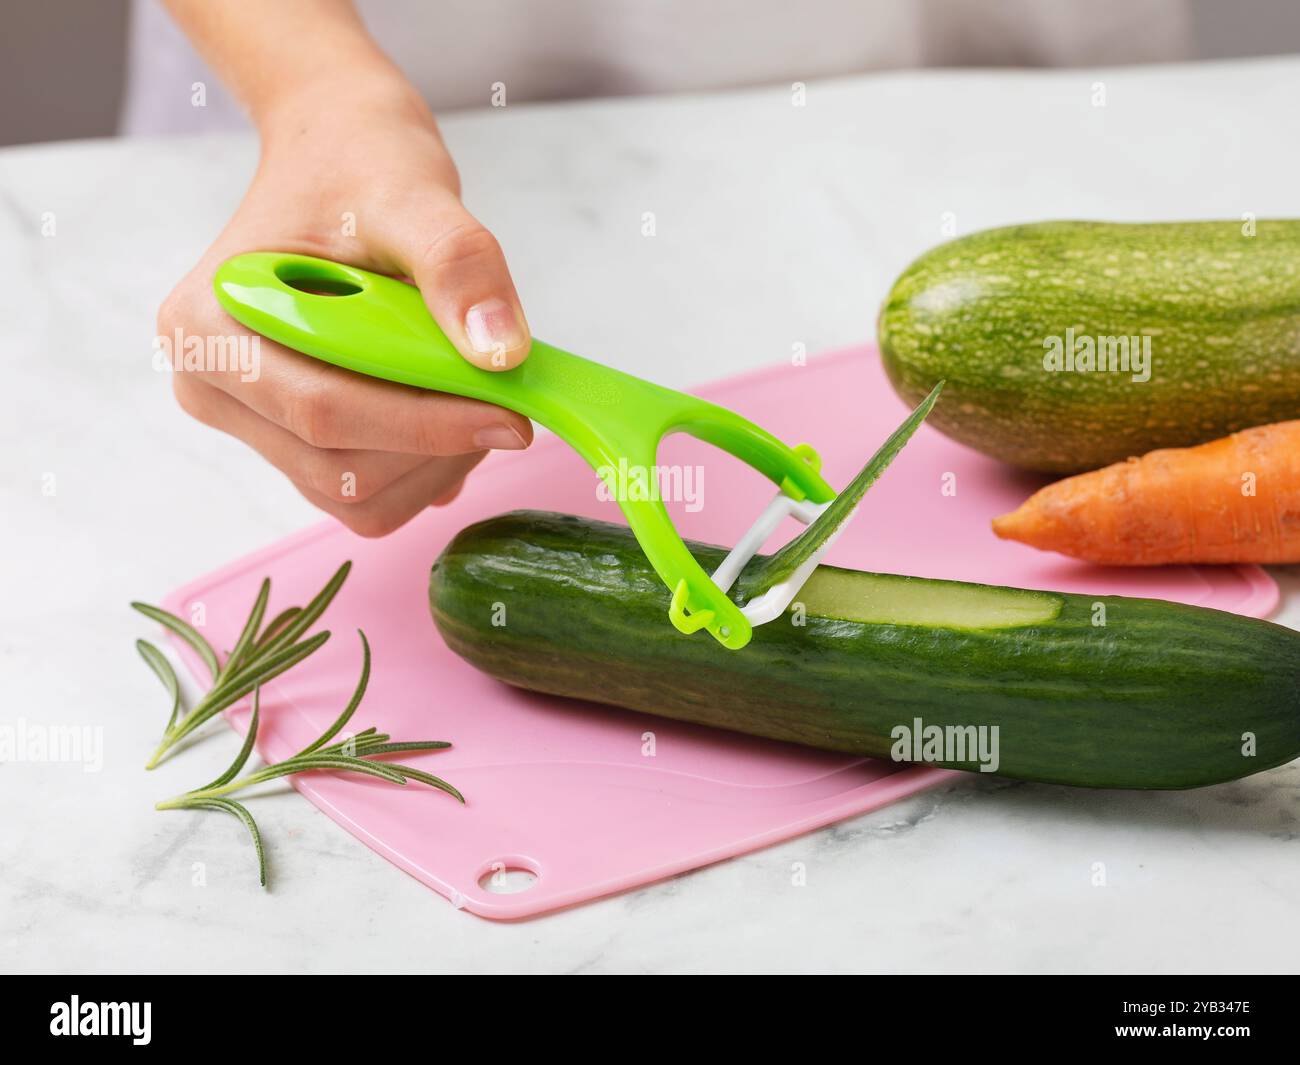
(508, 876)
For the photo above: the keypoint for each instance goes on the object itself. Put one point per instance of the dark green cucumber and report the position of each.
(1099, 692)
(1219, 302)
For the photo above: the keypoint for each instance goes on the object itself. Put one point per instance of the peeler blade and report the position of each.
(767, 585)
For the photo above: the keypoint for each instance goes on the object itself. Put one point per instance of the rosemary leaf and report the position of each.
(186, 632)
(357, 745)
(353, 703)
(433, 782)
(308, 615)
(251, 626)
(156, 661)
(393, 774)
(410, 745)
(267, 666)
(249, 739)
(239, 811)
(275, 626)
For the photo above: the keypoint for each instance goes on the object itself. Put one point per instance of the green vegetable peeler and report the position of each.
(380, 326)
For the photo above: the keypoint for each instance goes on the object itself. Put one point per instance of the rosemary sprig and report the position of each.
(256, 657)
(348, 755)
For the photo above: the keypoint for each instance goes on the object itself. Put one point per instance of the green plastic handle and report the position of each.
(379, 326)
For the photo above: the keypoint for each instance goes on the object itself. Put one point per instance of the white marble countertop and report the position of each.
(775, 225)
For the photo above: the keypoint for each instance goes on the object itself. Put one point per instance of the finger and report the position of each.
(449, 495)
(329, 407)
(348, 476)
(438, 480)
(462, 274)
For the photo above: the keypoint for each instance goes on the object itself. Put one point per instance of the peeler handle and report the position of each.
(380, 326)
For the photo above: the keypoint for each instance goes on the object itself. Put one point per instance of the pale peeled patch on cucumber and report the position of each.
(887, 599)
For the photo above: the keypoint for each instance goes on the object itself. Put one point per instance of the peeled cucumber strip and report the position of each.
(764, 571)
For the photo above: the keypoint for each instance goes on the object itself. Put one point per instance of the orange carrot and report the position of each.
(1231, 500)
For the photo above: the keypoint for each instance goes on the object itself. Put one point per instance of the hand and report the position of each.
(364, 180)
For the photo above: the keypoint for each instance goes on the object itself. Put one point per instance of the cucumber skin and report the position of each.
(1158, 698)
(1223, 310)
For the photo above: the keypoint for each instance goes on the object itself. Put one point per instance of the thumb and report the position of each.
(462, 274)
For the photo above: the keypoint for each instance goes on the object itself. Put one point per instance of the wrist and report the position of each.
(322, 97)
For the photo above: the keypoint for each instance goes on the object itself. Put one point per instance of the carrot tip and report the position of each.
(1004, 526)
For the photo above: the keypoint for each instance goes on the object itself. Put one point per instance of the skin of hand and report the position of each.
(356, 171)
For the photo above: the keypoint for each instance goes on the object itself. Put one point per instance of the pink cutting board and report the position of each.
(565, 790)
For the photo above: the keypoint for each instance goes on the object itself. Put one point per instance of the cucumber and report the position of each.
(1098, 692)
(1216, 310)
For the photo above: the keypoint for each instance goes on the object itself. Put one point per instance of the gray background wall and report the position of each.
(62, 62)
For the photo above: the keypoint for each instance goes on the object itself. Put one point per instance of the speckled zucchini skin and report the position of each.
(1159, 697)
(1222, 310)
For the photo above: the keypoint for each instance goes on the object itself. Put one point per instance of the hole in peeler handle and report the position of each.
(316, 279)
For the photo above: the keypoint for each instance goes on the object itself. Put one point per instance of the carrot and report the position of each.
(1232, 500)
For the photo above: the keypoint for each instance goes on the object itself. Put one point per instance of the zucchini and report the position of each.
(1042, 332)
(1159, 696)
